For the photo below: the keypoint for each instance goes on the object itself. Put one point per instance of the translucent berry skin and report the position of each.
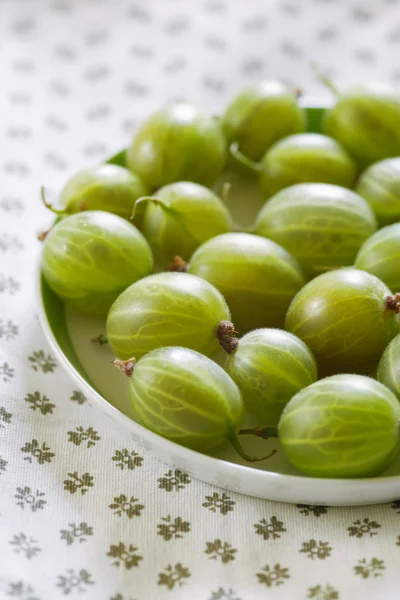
(323, 226)
(343, 318)
(257, 278)
(270, 366)
(380, 254)
(380, 186)
(366, 121)
(389, 367)
(105, 187)
(340, 427)
(261, 115)
(186, 397)
(196, 214)
(89, 258)
(178, 143)
(164, 310)
(306, 157)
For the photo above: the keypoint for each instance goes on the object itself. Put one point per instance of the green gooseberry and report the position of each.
(342, 426)
(89, 258)
(257, 278)
(389, 367)
(346, 318)
(178, 143)
(186, 398)
(380, 254)
(110, 188)
(168, 309)
(322, 225)
(180, 217)
(306, 157)
(270, 366)
(260, 115)
(366, 122)
(380, 186)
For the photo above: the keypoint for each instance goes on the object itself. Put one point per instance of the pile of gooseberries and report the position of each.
(293, 321)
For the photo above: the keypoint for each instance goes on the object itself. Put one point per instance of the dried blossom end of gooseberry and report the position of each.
(126, 366)
(393, 303)
(43, 235)
(226, 335)
(178, 265)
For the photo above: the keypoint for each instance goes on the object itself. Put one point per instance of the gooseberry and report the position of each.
(110, 188)
(180, 217)
(186, 398)
(366, 121)
(341, 426)
(323, 226)
(167, 309)
(389, 367)
(257, 278)
(380, 186)
(89, 258)
(270, 366)
(306, 157)
(346, 318)
(178, 143)
(379, 255)
(260, 115)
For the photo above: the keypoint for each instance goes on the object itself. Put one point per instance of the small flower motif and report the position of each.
(222, 594)
(219, 549)
(172, 529)
(308, 509)
(6, 372)
(74, 581)
(125, 555)
(11, 205)
(8, 242)
(271, 529)
(23, 544)
(3, 465)
(41, 403)
(78, 483)
(323, 593)
(78, 397)
(273, 576)
(123, 458)
(174, 480)
(314, 549)
(80, 436)
(173, 575)
(222, 503)
(129, 506)
(8, 330)
(19, 589)
(76, 532)
(41, 453)
(9, 284)
(27, 498)
(5, 417)
(396, 506)
(40, 361)
(361, 528)
(367, 569)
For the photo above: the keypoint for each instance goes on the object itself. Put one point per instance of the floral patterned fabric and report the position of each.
(84, 512)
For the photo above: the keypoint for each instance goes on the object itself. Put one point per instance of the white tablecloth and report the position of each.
(83, 511)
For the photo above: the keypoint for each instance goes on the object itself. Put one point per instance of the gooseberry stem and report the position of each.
(154, 200)
(48, 205)
(226, 188)
(242, 159)
(263, 432)
(324, 79)
(126, 366)
(226, 335)
(238, 447)
(101, 339)
(178, 265)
